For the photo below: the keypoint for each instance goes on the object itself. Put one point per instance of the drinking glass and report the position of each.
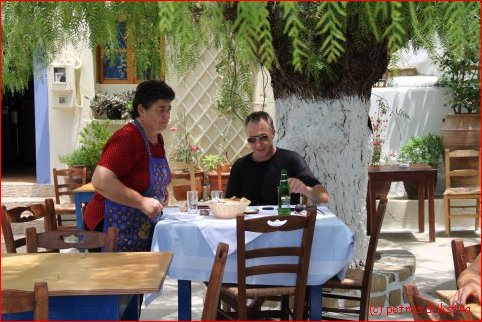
(192, 201)
(217, 194)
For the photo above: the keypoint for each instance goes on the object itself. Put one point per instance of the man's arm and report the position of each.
(316, 194)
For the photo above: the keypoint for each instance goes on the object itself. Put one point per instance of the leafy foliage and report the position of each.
(322, 44)
(423, 149)
(92, 140)
(112, 106)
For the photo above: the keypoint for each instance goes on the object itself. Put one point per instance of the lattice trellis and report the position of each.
(195, 95)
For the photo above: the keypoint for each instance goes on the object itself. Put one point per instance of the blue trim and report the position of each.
(42, 136)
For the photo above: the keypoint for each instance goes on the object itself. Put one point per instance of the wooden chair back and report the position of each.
(64, 239)
(370, 259)
(462, 255)
(177, 182)
(72, 179)
(469, 174)
(424, 309)
(25, 214)
(214, 286)
(18, 301)
(302, 251)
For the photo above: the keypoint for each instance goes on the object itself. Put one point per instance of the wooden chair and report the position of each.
(25, 214)
(424, 309)
(18, 301)
(72, 179)
(356, 279)
(462, 255)
(214, 286)
(64, 239)
(236, 296)
(471, 177)
(179, 182)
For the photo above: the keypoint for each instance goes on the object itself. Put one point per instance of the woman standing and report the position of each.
(132, 175)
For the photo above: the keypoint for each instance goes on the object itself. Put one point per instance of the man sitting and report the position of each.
(256, 175)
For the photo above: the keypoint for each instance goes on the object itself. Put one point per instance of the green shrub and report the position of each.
(212, 161)
(92, 140)
(423, 149)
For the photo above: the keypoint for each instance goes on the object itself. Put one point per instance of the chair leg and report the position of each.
(59, 220)
(447, 215)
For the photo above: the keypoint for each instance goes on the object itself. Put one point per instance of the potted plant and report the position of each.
(112, 106)
(183, 150)
(92, 140)
(379, 118)
(421, 149)
(461, 130)
(214, 163)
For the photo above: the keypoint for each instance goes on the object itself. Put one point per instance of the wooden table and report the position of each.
(88, 286)
(82, 195)
(446, 295)
(422, 173)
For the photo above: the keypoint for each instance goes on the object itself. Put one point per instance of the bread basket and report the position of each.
(228, 208)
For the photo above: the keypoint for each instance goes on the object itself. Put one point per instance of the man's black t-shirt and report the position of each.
(258, 181)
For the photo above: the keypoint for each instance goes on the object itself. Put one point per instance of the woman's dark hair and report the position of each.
(149, 92)
(258, 116)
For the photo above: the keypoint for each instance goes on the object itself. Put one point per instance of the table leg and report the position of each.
(431, 209)
(371, 207)
(78, 210)
(184, 300)
(421, 210)
(315, 302)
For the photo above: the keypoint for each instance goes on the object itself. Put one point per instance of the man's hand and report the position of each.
(297, 186)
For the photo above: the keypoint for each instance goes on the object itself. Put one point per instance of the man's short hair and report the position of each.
(258, 116)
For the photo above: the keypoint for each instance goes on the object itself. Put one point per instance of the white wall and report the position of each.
(66, 123)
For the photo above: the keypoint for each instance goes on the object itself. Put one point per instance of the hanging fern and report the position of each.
(331, 26)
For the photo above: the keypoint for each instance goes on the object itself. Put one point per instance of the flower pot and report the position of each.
(411, 188)
(213, 180)
(461, 132)
(382, 188)
(180, 192)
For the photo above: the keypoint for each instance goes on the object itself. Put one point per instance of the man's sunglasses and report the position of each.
(261, 138)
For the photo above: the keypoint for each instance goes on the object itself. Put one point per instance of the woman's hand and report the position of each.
(460, 297)
(151, 207)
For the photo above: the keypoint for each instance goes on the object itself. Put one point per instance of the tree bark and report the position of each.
(332, 136)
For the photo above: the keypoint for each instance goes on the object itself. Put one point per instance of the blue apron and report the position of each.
(135, 227)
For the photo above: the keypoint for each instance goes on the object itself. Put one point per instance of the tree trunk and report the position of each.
(333, 137)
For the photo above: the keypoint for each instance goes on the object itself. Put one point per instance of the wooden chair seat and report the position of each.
(468, 186)
(355, 279)
(65, 208)
(237, 296)
(254, 291)
(463, 191)
(65, 182)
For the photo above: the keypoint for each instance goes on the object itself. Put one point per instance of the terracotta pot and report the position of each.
(411, 188)
(382, 188)
(181, 191)
(461, 132)
(213, 180)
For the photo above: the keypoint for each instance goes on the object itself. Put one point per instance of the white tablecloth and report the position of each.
(193, 256)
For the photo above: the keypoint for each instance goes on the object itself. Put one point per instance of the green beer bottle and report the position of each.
(284, 197)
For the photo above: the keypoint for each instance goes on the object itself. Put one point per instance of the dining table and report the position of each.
(446, 296)
(82, 195)
(193, 239)
(420, 173)
(87, 286)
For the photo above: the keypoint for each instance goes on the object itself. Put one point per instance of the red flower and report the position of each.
(193, 148)
(173, 128)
